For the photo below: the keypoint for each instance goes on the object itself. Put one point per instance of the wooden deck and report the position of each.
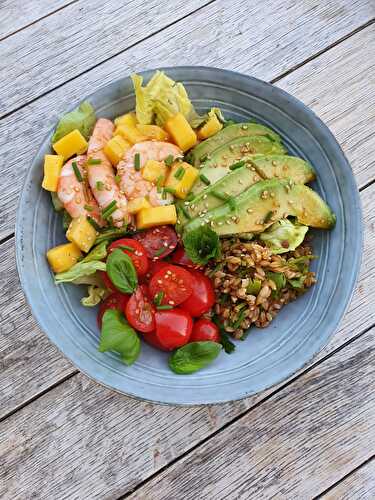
(64, 437)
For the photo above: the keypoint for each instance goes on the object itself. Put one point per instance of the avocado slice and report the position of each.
(264, 203)
(224, 156)
(199, 154)
(283, 166)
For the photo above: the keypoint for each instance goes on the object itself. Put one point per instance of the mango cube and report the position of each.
(128, 119)
(115, 149)
(134, 206)
(184, 181)
(153, 170)
(63, 257)
(181, 132)
(211, 127)
(130, 133)
(156, 216)
(153, 132)
(52, 168)
(82, 233)
(71, 144)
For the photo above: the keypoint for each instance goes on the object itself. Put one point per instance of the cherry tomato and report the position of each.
(175, 283)
(138, 253)
(157, 239)
(107, 281)
(140, 311)
(153, 340)
(204, 329)
(180, 258)
(116, 300)
(173, 327)
(202, 297)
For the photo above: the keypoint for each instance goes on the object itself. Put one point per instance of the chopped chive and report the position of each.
(158, 299)
(76, 171)
(88, 208)
(190, 197)
(93, 161)
(164, 194)
(220, 196)
(169, 190)
(126, 247)
(180, 172)
(164, 308)
(159, 183)
(99, 185)
(117, 179)
(185, 212)
(109, 209)
(237, 165)
(169, 160)
(159, 252)
(93, 223)
(137, 161)
(204, 179)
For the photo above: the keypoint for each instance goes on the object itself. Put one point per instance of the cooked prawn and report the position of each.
(101, 176)
(76, 196)
(131, 180)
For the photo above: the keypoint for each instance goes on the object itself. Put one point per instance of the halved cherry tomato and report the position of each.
(116, 300)
(180, 258)
(107, 281)
(153, 340)
(174, 282)
(138, 253)
(158, 241)
(204, 329)
(140, 311)
(173, 327)
(202, 297)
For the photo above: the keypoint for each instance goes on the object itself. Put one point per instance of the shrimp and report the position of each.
(101, 176)
(131, 180)
(75, 195)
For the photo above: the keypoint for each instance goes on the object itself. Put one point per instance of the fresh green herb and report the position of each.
(239, 320)
(118, 336)
(236, 165)
(253, 288)
(201, 245)
(268, 217)
(180, 172)
(66, 220)
(57, 205)
(79, 270)
(190, 197)
(94, 161)
(169, 190)
(159, 183)
(117, 179)
(220, 196)
(137, 161)
(278, 278)
(93, 223)
(204, 179)
(99, 185)
(225, 341)
(99, 252)
(127, 248)
(77, 172)
(164, 194)
(110, 234)
(164, 308)
(158, 299)
(82, 118)
(297, 282)
(185, 212)
(89, 208)
(109, 209)
(169, 160)
(301, 264)
(159, 251)
(121, 271)
(193, 357)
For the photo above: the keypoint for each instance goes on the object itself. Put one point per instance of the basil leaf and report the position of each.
(121, 271)
(117, 335)
(193, 357)
(201, 245)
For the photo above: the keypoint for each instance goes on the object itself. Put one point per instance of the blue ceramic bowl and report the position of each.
(267, 356)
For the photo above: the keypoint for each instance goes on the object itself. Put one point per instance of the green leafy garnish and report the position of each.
(158, 299)
(204, 179)
(297, 282)
(180, 172)
(95, 295)
(253, 288)
(94, 161)
(121, 271)
(82, 118)
(111, 234)
(117, 179)
(109, 209)
(284, 236)
(236, 165)
(225, 341)
(279, 279)
(79, 270)
(77, 172)
(99, 252)
(118, 336)
(164, 307)
(201, 245)
(99, 185)
(137, 161)
(127, 248)
(193, 357)
(169, 160)
(94, 224)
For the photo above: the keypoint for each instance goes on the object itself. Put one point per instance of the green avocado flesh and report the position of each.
(199, 154)
(224, 156)
(264, 203)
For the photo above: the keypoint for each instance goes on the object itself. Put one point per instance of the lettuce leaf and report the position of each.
(99, 252)
(82, 118)
(95, 295)
(284, 236)
(79, 271)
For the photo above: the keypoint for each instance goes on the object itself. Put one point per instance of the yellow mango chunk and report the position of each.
(153, 132)
(156, 216)
(211, 127)
(63, 257)
(153, 170)
(128, 119)
(52, 168)
(115, 149)
(130, 133)
(71, 144)
(181, 132)
(82, 233)
(134, 206)
(182, 182)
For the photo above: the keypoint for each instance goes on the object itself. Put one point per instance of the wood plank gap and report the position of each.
(366, 186)
(6, 238)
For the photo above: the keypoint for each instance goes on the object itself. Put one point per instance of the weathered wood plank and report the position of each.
(294, 445)
(16, 14)
(22, 131)
(359, 485)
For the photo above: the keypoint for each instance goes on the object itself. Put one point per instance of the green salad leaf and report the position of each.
(82, 118)
(118, 336)
(99, 252)
(121, 271)
(284, 236)
(111, 233)
(79, 271)
(194, 356)
(201, 245)
(95, 295)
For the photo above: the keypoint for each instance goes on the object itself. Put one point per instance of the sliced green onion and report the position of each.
(117, 179)
(169, 190)
(126, 247)
(93, 161)
(158, 299)
(88, 208)
(180, 172)
(169, 160)
(93, 223)
(164, 194)
(76, 171)
(204, 179)
(99, 185)
(159, 183)
(160, 251)
(190, 197)
(220, 196)
(137, 161)
(236, 165)
(185, 212)
(164, 308)
(109, 209)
